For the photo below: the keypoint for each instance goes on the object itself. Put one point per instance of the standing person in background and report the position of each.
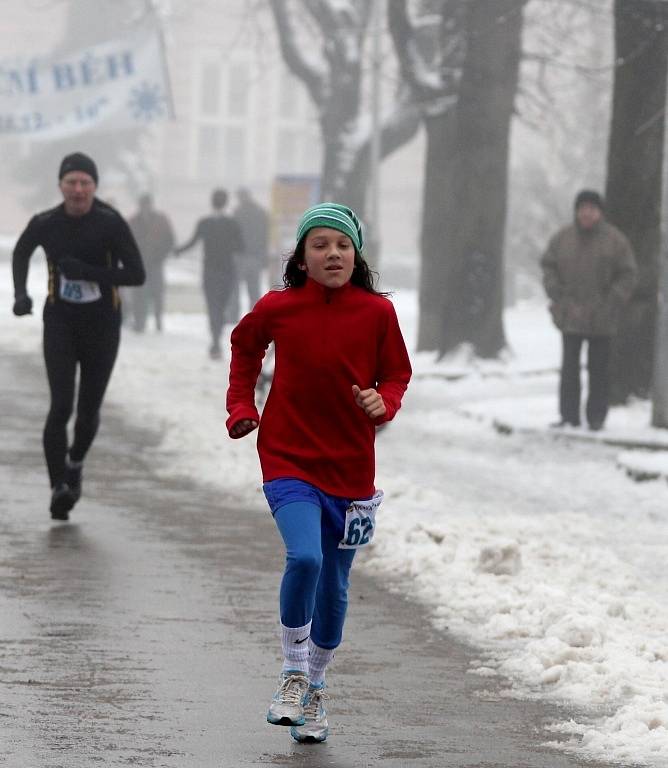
(154, 235)
(124, 291)
(341, 371)
(90, 251)
(222, 240)
(589, 272)
(254, 223)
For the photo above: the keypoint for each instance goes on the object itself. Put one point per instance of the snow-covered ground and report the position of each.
(537, 550)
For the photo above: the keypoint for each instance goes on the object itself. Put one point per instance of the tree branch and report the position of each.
(338, 24)
(427, 81)
(397, 129)
(313, 77)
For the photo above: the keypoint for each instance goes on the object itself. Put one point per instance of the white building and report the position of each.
(240, 119)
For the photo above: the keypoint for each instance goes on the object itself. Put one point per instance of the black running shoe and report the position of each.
(62, 500)
(73, 481)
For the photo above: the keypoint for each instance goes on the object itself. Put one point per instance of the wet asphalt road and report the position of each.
(143, 633)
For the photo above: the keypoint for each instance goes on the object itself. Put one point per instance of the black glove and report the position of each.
(73, 269)
(22, 305)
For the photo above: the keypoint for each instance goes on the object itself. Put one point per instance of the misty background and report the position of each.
(460, 131)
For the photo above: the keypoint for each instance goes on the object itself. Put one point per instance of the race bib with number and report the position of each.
(360, 522)
(79, 291)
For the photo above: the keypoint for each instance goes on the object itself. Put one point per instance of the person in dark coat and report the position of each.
(155, 238)
(254, 223)
(589, 273)
(222, 241)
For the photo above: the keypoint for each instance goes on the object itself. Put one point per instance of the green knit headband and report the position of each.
(334, 216)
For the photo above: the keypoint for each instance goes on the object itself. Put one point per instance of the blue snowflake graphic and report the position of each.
(147, 102)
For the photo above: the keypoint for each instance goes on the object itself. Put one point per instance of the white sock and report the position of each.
(295, 644)
(73, 464)
(318, 660)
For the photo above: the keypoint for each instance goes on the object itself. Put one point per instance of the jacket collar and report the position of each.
(319, 291)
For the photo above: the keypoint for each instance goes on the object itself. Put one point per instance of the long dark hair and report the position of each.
(295, 277)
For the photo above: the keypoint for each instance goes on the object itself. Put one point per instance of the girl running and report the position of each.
(341, 370)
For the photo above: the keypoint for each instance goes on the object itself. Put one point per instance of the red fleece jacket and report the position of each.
(325, 341)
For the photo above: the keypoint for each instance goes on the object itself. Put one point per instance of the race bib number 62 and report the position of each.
(360, 522)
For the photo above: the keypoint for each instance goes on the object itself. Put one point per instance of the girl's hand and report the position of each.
(369, 401)
(243, 427)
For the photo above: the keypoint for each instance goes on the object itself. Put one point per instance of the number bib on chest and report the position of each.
(79, 291)
(360, 522)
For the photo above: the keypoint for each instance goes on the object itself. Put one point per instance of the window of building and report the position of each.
(237, 90)
(287, 151)
(234, 167)
(210, 89)
(291, 97)
(208, 151)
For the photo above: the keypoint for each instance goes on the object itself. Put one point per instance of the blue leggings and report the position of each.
(315, 582)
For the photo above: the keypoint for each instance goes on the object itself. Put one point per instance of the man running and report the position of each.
(90, 251)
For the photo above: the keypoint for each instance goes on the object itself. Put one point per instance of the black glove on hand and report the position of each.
(73, 269)
(23, 305)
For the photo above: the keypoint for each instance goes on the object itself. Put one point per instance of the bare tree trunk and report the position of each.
(660, 368)
(660, 372)
(430, 56)
(338, 122)
(472, 299)
(437, 225)
(634, 179)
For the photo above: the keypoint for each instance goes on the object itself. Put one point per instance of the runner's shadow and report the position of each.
(66, 536)
(313, 756)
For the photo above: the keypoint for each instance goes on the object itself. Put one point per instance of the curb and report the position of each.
(506, 428)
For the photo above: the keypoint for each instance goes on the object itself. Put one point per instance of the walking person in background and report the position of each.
(254, 223)
(341, 371)
(90, 251)
(589, 273)
(222, 241)
(154, 235)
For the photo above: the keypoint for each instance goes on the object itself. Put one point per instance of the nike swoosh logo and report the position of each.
(297, 642)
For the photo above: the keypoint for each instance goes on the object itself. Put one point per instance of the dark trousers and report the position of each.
(149, 297)
(249, 272)
(598, 362)
(89, 342)
(217, 294)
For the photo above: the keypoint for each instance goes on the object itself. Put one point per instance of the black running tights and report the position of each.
(91, 343)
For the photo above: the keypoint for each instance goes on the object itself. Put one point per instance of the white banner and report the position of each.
(115, 85)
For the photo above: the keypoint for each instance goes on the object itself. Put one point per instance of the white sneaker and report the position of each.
(316, 727)
(286, 704)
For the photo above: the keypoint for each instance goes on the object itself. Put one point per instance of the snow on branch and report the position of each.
(343, 26)
(398, 127)
(427, 80)
(310, 72)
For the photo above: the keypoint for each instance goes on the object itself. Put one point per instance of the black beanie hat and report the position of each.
(588, 196)
(77, 161)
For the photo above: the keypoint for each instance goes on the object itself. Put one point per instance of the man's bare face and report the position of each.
(588, 215)
(78, 190)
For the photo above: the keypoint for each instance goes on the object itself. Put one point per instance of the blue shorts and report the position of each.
(287, 490)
